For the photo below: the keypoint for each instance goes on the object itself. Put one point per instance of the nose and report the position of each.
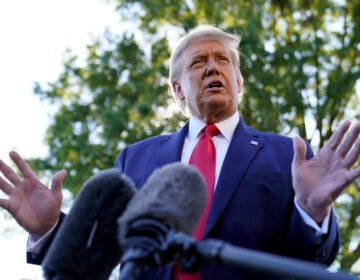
(212, 68)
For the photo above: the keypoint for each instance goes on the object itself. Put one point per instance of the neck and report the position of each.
(209, 119)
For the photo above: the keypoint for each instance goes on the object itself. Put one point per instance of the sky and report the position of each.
(34, 35)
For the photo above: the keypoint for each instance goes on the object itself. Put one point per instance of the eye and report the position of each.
(224, 59)
(196, 62)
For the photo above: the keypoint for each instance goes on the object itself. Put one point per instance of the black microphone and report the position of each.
(86, 246)
(173, 198)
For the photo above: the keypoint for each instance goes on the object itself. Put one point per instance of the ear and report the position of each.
(178, 91)
(239, 83)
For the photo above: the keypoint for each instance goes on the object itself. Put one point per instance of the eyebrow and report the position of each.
(203, 54)
(200, 54)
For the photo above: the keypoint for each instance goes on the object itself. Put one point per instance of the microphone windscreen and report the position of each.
(86, 247)
(174, 194)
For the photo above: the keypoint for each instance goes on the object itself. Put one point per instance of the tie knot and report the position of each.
(211, 130)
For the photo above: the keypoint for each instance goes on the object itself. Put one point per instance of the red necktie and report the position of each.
(204, 158)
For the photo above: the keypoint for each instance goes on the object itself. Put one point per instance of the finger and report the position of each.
(24, 168)
(335, 139)
(9, 173)
(4, 203)
(353, 156)
(56, 183)
(350, 139)
(5, 187)
(353, 175)
(299, 150)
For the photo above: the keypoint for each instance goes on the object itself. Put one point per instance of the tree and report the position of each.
(113, 100)
(300, 62)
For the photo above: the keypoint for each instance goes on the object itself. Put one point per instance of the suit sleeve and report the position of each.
(306, 244)
(32, 258)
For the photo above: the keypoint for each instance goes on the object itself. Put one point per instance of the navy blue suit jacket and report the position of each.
(253, 204)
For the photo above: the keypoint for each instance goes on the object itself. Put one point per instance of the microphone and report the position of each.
(173, 198)
(86, 246)
(155, 230)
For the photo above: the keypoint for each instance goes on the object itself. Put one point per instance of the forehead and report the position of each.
(204, 46)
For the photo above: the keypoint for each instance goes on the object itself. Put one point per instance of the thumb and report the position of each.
(299, 150)
(56, 182)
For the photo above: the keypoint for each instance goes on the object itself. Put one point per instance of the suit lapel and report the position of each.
(244, 146)
(169, 150)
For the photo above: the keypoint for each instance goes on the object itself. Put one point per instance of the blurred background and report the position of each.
(82, 79)
(34, 37)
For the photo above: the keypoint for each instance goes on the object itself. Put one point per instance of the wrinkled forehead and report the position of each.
(204, 47)
(205, 44)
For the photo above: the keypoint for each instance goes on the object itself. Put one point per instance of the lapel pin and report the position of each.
(254, 143)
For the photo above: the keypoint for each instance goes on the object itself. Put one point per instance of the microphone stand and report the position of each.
(150, 244)
(192, 254)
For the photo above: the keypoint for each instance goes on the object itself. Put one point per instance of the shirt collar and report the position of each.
(226, 127)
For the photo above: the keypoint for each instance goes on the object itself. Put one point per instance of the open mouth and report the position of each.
(215, 84)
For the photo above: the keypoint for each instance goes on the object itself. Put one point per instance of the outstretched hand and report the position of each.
(319, 181)
(35, 207)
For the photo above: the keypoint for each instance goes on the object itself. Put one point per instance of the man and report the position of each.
(270, 193)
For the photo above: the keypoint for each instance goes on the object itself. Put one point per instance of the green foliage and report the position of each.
(300, 61)
(111, 101)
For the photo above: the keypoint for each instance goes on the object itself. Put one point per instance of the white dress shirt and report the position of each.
(221, 141)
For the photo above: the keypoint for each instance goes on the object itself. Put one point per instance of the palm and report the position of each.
(25, 207)
(319, 181)
(34, 206)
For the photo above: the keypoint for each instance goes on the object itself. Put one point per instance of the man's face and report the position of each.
(208, 81)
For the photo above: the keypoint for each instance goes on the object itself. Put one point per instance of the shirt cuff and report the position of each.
(35, 246)
(324, 229)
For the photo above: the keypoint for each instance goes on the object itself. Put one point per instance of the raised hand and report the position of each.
(319, 181)
(35, 207)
